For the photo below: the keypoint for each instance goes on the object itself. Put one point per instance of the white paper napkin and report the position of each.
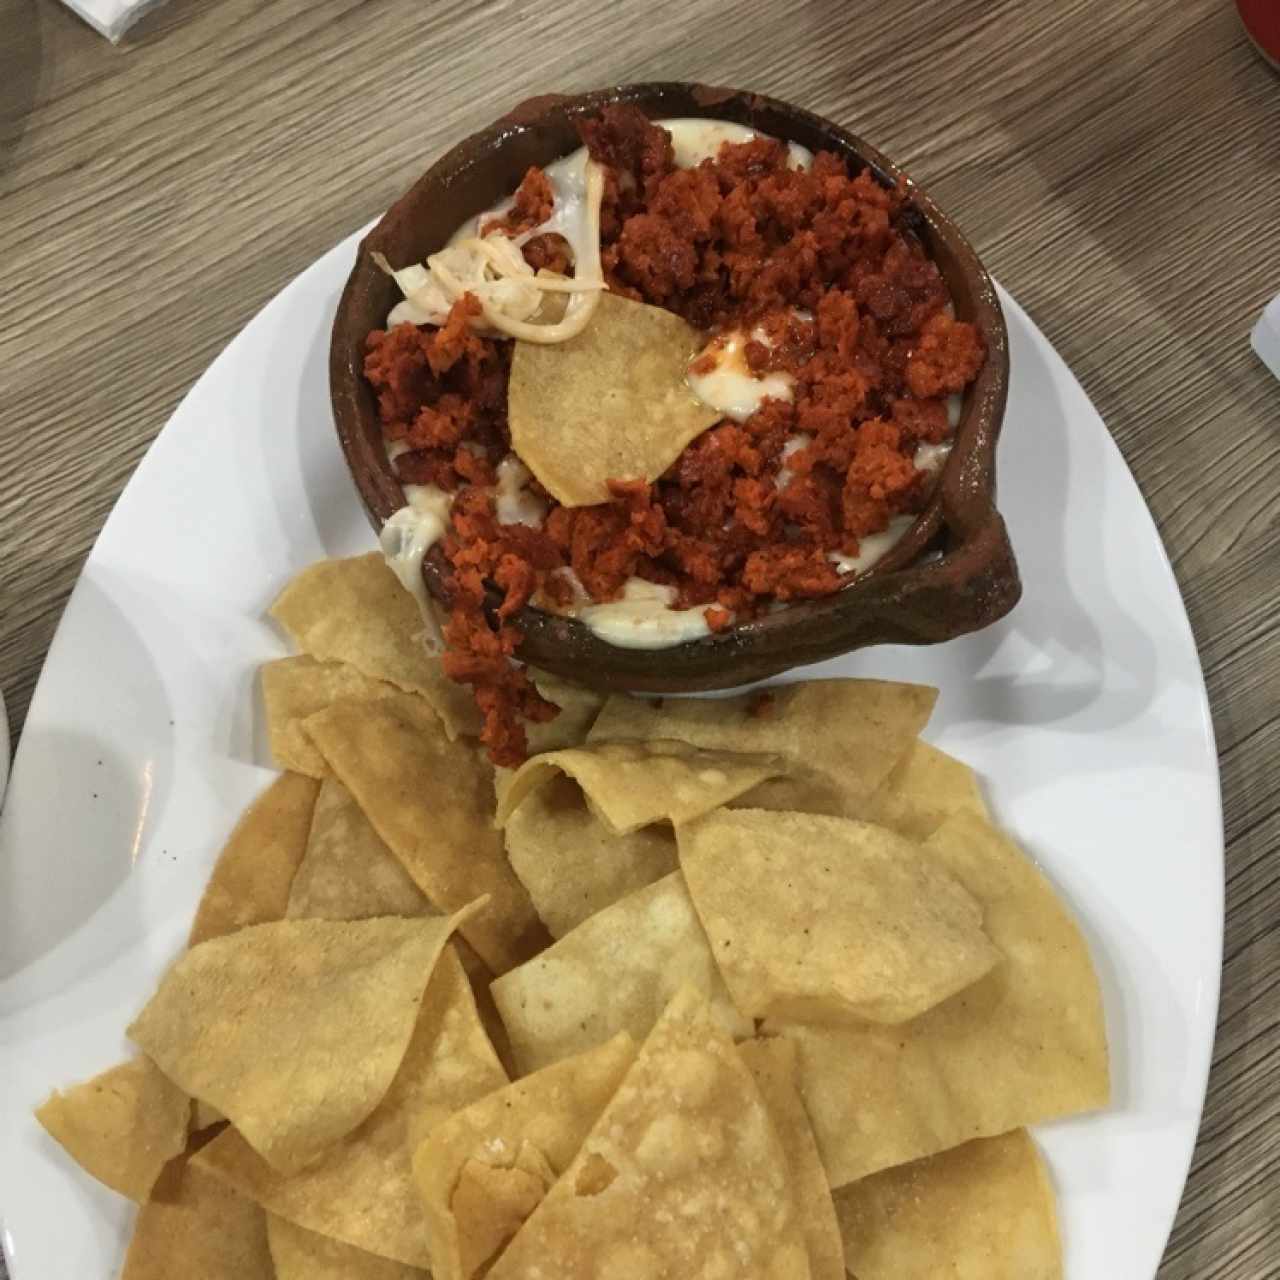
(1266, 336)
(112, 17)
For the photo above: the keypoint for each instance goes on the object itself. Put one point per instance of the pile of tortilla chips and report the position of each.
(737, 987)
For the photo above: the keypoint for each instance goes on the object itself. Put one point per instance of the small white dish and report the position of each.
(1266, 336)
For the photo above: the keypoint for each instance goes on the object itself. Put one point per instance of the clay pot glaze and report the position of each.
(952, 573)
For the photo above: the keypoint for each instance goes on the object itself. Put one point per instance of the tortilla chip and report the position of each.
(984, 1209)
(294, 1030)
(295, 688)
(840, 738)
(123, 1126)
(300, 1254)
(431, 802)
(682, 1174)
(1025, 1044)
(572, 864)
(772, 1063)
(614, 972)
(609, 404)
(195, 1228)
(356, 611)
(578, 710)
(924, 789)
(478, 1171)
(629, 785)
(203, 1116)
(250, 882)
(362, 1191)
(347, 873)
(820, 919)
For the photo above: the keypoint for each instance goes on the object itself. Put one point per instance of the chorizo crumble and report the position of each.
(824, 262)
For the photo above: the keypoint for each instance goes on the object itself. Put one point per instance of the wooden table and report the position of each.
(1117, 163)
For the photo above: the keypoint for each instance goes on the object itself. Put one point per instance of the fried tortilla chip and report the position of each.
(431, 801)
(203, 1116)
(614, 972)
(984, 1209)
(683, 1174)
(300, 1254)
(629, 785)
(571, 863)
(356, 611)
(294, 1030)
(347, 873)
(578, 710)
(295, 688)
(251, 879)
(609, 404)
(925, 788)
(1025, 1044)
(772, 1063)
(123, 1126)
(840, 738)
(195, 1228)
(362, 1191)
(820, 919)
(482, 1171)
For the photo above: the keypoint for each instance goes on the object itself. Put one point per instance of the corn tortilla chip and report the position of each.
(431, 801)
(578, 710)
(772, 1063)
(984, 1209)
(682, 1174)
(123, 1126)
(361, 1191)
(1025, 1044)
(195, 1228)
(629, 785)
(347, 873)
(356, 611)
(251, 879)
(296, 1029)
(840, 738)
(614, 972)
(820, 919)
(538, 1121)
(609, 404)
(572, 864)
(203, 1116)
(295, 688)
(299, 1254)
(925, 787)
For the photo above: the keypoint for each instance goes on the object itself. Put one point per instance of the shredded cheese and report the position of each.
(494, 270)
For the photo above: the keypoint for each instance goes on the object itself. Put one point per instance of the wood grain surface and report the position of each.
(1117, 163)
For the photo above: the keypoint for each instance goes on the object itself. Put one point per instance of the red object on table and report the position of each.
(1261, 20)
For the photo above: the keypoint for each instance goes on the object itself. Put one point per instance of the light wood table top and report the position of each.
(1116, 162)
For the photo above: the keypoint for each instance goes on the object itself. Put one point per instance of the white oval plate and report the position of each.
(1084, 711)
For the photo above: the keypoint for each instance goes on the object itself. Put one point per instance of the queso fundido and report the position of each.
(750, 411)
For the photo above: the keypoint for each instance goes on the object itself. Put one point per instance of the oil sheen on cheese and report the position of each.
(731, 387)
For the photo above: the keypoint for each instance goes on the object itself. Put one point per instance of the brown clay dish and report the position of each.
(954, 571)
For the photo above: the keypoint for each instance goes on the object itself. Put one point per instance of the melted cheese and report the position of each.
(513, 501)
(643, 618)
(873, 548)
(405, 540)
(731, 387)
(694, 140)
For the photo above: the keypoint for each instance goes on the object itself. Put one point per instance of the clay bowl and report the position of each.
(952, 573)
